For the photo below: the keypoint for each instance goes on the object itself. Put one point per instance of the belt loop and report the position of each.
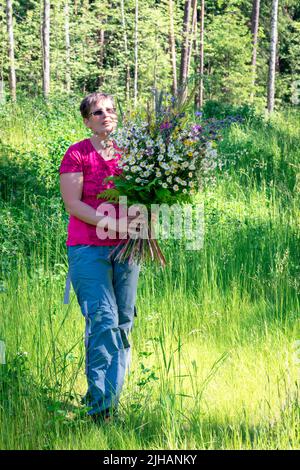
(67, 289)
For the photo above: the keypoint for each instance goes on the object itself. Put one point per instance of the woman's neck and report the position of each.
(101, 135)
(101, 139)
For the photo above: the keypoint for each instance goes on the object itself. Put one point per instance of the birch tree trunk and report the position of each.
(172, 48)
(192, 34)
(136, 53)
(101, 40)
(67, 42)
(254, 31)
(272, 63)
(184, 49)
(2, 91)
(196, 52)
(155, 61)
(11, 48)
(127, 77)
(46, 48)
(201, 58)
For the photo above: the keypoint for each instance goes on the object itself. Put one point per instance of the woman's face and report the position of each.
(105, 119)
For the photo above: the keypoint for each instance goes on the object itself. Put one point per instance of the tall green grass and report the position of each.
(213, 355)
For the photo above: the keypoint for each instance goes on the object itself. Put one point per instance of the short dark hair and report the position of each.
(90, 100)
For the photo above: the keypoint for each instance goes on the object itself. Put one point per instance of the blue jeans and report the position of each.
(106, 292)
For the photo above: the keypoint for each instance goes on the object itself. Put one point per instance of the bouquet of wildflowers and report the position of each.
(165, 159)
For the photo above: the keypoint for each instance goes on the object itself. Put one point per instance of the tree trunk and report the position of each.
(172, 49)
(101, 40)
(11, 53)
(184, 49)
(136, 53)
(67, 41)
(46, 48)
(254, 31)
(195, 41)
(199, 99)
(75, 7)
(155, 67)
(2, 91)
(127, 73)
(273, 44)
(84, 10)
(192, 34)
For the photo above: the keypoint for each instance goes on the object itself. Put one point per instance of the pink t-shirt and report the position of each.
(83, 157)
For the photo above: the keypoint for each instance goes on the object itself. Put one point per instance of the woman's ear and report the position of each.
(86, 122)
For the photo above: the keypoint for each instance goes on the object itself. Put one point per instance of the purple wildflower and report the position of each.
(196, 128)
(165, 125)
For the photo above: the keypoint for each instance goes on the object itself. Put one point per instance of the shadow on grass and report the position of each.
(33, 419)
(18, 174)
(31, 414)
(204, 433)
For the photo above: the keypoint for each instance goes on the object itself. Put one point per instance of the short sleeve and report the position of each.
(71, 162)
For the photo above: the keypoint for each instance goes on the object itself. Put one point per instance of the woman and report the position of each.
(105, 289)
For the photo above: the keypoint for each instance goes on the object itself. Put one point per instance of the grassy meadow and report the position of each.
(214, 359)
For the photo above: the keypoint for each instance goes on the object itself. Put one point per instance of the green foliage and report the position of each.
(289, 53)
(219, 110)
(111, 195)
(228, 55)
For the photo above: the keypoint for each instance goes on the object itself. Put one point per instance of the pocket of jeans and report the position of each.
(76, 252)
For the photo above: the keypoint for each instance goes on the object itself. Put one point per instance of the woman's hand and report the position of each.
(138, 222)
(153, 227)
(131, 225)
(154, 218)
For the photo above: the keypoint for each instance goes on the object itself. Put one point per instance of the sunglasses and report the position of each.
(100, 112)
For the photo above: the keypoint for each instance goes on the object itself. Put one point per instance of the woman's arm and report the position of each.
(71, 190)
